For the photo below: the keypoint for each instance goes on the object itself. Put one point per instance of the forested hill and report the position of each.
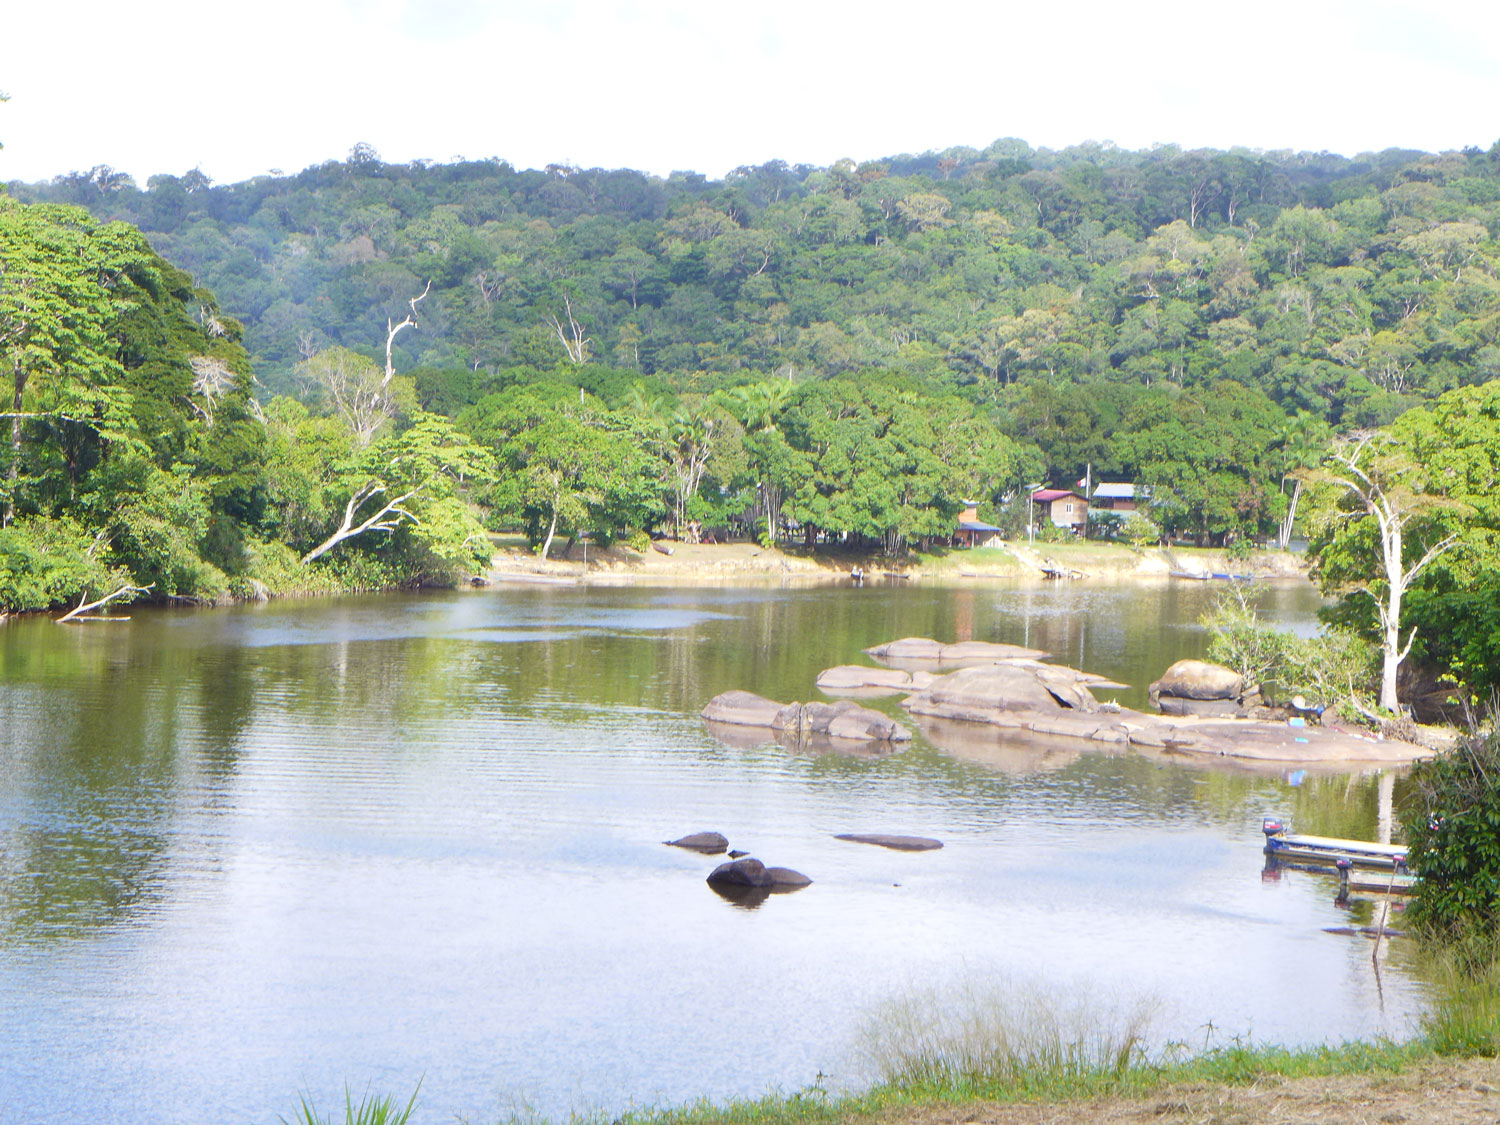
(1344, 288)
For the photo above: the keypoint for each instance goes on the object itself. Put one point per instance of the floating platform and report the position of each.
(1327, 851)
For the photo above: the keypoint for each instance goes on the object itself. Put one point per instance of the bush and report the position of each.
(1452, 827)
(1331, 670)
(49, 562)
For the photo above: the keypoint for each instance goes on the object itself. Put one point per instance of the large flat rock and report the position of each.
(989, 692)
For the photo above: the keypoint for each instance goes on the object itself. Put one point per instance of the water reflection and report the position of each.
(422, 835)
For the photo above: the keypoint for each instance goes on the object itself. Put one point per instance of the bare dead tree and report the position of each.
(392, 330)
(387, 518)
(78, 611)
(212, 380)
(574, 341)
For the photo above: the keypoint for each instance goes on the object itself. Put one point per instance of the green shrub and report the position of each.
(1452, 826)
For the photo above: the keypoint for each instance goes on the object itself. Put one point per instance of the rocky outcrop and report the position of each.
(709, 843)
(1052, 701)
(896, 843)
(977, 694)
(925, 650)
(842, 720)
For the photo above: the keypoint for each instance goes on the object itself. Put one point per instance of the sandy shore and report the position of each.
(750, 563)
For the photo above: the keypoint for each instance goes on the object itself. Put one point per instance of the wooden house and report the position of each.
(1063, 507)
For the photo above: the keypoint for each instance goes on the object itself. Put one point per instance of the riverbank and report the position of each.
(728, 563)
(1429, 1090)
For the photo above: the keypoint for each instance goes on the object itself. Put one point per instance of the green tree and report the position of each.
(59, 300)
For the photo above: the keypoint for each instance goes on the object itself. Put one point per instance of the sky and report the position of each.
(237, 89)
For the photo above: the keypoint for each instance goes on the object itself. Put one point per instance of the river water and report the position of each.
(253, 852)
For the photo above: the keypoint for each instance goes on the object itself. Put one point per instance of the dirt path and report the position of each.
(1438, 1093)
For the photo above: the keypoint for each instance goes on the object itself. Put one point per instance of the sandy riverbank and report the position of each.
(744, 562)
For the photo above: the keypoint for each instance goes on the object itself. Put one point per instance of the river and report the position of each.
(251, 852)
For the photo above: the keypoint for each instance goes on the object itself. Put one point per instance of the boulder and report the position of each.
(1198, 679)
(746, 709)
(747, 872)
(709, 843)
(897, 843)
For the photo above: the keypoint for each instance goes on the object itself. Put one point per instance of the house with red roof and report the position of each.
(1063, 507)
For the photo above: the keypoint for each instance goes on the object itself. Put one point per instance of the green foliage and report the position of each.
(47, 562)
(1336, 669)
(1452, 828)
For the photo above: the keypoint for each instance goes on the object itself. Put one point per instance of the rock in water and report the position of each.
(709, 843)
(752, 873)
(784, 878)
(745, 708)
(898, 843)
(747, 872)
(847, 719)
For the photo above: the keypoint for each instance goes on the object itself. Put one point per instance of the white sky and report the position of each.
(241, 88)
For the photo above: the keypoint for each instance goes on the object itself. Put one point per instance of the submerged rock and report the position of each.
(709, 843)
(857, 677)
(897, 843)
(924, 649)
(842, 720)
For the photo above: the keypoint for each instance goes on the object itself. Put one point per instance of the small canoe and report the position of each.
(1326, 851)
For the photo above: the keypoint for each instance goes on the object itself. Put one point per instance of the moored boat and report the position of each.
(1326, 851)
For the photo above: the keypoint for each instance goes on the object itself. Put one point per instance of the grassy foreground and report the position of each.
(992, 1055)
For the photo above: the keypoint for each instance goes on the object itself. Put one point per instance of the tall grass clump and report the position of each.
(1008, 1042)
(1465, 978)
(370, 1110)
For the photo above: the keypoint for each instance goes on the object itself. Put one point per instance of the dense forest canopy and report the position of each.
(842, 353)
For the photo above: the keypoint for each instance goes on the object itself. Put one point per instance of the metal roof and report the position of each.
(1116, 491)
(975, 525)
(1047, 495)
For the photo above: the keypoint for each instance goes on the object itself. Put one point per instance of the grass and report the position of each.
(1465, 975)
(371, 1110)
